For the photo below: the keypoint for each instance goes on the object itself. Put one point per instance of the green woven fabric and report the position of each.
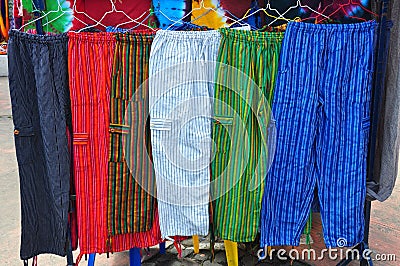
(240, 130)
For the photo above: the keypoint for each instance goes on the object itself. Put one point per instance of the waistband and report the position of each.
(246, 35)
(102, 37)
(363, 26)
(139, 35)
(180, 35)
(53, 38)
(122, 30)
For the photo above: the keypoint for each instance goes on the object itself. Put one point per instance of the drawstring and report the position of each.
(78, 259)
(34, 262)
(109, 245)
(178, 247)
(147, 251)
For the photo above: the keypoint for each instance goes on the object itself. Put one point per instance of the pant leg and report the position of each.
(342, 142)
(180, 111)
(290, 184)
(247, 66)
(51, 72)
(38, 88)
(131, 199)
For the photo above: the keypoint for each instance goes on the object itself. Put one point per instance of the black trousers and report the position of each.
(38, 79)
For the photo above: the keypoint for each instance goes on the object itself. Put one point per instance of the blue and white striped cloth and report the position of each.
(182, 71)
(321, 108)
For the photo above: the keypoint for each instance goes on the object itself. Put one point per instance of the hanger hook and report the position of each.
(112, 5)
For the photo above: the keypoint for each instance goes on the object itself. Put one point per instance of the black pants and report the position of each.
(38, 79)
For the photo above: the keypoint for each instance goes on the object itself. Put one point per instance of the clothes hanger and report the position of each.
(342, 7)
(236, 19)
(101, 19)
(299, 4)
(59, 8)
(280, 28)
(36, 19)
(215, 9)
(365, 9)
(130, 19)
(84, 13)
(146, 18)
(151, 12)
(323, 12)
(201, 7)
(268, 7)
(113, 9)
(144, 13)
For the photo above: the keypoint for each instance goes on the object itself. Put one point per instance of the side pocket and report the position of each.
(222, 131)
(24, 144)
(80, 151)
(161, 138)
(118, 142)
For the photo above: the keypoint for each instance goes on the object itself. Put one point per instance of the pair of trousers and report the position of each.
(90, 67)
(131, 194)
(38, 79)
(321, 113)
(245, 80)
(182, 69)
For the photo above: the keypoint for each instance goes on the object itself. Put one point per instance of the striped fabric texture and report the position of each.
(321, 109)
(182, 70)
(240, 132)
(38, 79)
(131, 207)
(90, 71)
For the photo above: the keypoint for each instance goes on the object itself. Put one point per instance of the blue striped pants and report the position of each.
(321, 113)
(182, 70)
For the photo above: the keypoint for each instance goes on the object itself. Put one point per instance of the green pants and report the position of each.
(246, 71)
